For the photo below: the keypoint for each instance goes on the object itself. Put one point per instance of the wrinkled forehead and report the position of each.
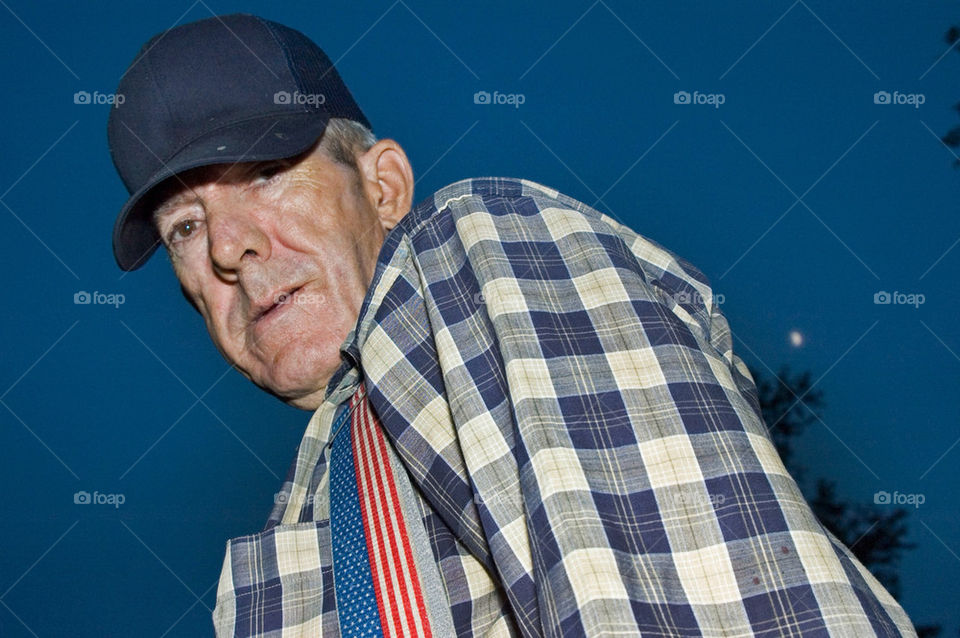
(180, 190)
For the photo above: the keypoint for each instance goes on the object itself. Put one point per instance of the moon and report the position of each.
(796, 338)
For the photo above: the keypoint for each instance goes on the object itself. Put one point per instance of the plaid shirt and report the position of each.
(586, 453)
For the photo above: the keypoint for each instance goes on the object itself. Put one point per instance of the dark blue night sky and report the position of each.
(800, 197)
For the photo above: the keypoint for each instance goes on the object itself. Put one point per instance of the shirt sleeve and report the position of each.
(654, 497)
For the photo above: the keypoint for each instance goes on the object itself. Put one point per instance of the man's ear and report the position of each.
(387, 181)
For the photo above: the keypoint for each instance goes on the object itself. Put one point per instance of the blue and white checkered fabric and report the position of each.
(587, 452)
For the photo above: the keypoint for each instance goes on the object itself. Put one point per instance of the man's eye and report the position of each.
(183, 230)
(270, 170)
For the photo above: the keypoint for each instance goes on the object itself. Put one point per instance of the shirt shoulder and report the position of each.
(493, 208)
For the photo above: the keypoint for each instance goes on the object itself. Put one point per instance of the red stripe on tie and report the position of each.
(396, 582)
(404, 568)
(416, 606)
(382, 556)
(386, 520)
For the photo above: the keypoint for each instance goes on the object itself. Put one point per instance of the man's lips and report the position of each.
(274, 304)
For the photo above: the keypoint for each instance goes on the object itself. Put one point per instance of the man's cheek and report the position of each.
(221, 344)
(228, 338)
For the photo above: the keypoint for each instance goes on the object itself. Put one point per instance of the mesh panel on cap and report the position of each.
(315, 74)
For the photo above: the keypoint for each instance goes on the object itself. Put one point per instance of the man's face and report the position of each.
(277, 257)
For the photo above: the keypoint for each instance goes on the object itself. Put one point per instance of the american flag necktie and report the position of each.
(377, 586)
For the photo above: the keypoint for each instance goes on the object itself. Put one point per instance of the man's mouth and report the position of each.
(274, 304)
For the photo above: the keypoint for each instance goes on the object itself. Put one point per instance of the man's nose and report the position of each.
(235, 234)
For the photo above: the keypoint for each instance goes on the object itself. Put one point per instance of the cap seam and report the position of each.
(154, 77)
(286, 54)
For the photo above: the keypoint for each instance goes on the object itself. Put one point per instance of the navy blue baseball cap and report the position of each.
(234, 88)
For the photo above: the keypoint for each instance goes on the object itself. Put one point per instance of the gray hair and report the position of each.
(344, 139)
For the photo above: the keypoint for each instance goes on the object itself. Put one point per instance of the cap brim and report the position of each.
(272, 137)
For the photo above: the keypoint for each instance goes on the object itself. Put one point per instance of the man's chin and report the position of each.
(309, 402)
(296, 372)
(305, 396)
(304, 391)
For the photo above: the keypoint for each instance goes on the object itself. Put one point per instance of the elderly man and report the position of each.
(527, 418)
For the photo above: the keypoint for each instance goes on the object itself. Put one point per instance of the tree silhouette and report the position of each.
(876, 536)
(789, 406)
(952, 138)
